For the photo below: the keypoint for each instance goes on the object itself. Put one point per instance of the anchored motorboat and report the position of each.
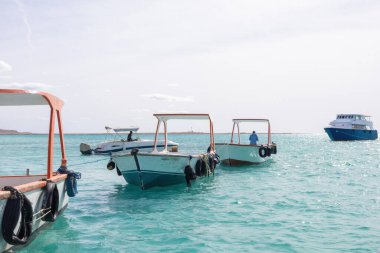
(122, 143)
(28, 202)
(162, 168)
(351, 127)
(244, 154)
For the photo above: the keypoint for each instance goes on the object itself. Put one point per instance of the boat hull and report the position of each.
(237, 154)
(340, 134)
(36, 198)
(149, 170)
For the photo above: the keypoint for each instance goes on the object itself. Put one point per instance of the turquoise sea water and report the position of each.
(315, 196)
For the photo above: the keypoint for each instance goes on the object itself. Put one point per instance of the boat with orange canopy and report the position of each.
(166, 167)
(28, 202)
(244, 154)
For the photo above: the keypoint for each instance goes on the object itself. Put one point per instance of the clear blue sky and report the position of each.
(116, 63)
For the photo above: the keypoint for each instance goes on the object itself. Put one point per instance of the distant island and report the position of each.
(4, 131)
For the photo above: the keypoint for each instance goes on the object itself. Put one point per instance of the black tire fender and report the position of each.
(111, 165)
(262, 152)
(274, 148)
(189, 175)
(17, 204)
(50, 204)
(268, 151)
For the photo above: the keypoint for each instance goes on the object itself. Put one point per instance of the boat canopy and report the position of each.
(182, 116)
(165, 117)
(126, 129)
(237, 122)
(14, 97)
(26, 97)
(250, 120)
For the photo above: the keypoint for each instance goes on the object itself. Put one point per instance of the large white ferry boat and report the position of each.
(350, 127)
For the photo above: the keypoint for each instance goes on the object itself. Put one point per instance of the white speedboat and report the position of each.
(243, 154)
(162, 168)
(28, 202)
(121, 143)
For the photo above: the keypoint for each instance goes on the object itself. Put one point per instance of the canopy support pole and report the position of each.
(51, 143)
(166, 136)
(155, 137)
(232, 134)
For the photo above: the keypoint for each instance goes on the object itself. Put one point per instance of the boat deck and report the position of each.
(19, 180)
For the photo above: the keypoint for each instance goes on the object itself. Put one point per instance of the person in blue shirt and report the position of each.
(253, 138)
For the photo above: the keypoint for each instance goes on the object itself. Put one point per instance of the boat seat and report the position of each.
(19, 180)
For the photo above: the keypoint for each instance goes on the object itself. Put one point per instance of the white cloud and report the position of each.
(26, 86)
(5, 67)
(169, 98)
(173, 85)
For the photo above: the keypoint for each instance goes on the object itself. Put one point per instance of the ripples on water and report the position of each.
(315, 196)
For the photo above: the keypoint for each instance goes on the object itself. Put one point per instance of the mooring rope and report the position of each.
(90, 162)
(205, 159)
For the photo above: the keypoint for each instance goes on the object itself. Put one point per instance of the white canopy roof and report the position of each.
(126, 129)
(250, 120)
(165, 117)
(11, 97)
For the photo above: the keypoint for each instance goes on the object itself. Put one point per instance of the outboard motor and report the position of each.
(85, 149)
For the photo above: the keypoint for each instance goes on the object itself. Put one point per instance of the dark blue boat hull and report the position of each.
(338, 134)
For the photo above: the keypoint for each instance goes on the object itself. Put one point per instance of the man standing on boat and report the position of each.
(129, 138)
(253, 138)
